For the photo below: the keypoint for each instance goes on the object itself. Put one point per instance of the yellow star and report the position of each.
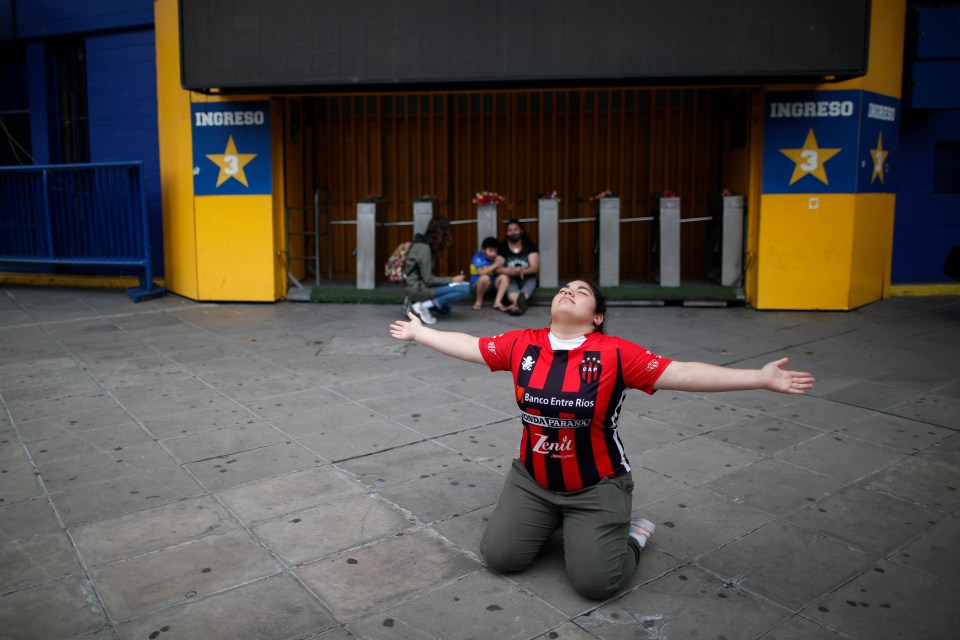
(810, 159)
(879, 156)
(231, 163)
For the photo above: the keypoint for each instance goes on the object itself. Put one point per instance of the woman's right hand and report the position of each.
(404, 330)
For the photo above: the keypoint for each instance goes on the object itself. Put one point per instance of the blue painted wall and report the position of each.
(122, 109)
(46, 18)
(926, 224)
(121, 73)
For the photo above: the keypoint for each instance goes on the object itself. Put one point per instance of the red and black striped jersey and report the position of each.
(570, 401)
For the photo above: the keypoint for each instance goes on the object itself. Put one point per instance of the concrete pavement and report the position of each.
(173, 469)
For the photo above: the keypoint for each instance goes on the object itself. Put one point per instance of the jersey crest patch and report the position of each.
(527, 364)
(590, 369)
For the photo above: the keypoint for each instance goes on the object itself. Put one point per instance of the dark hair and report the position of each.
(489, 243)
(601, 302)
(438, 234)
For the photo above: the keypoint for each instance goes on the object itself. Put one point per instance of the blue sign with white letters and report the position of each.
(231, 148)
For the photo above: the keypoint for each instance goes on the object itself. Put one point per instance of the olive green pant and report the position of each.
(598, 552)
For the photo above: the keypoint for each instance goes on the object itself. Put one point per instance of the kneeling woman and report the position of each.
(426, 291)
(570, 380)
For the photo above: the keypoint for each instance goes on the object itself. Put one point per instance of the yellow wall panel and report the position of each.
(176, 156)
(872, 248)
(804, 258)
(235, 237)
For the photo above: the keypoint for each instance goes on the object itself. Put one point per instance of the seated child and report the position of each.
(483, 267)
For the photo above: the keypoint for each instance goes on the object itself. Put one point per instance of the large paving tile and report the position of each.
(266, 462)
(935, 553)
(325, 418)
(773, 486)
(307, 402)
(695, 460)
(399, 465)
(872, 396)
(223, 441)
(20, 481)
(683, 604)
(35, 560)
(765, 434)
(179, 574)
(926, 482)
(840, 457)
(385, 573)
(59, 407)
(547, 577)
(871, 520)
(26, 518)
(175, 397)
(480, 603)
(486, 442)
(193, 422)
(640, 434)
(695, 522)
(94, 466)
(275, 608)
(700, 415)
(360, 440)
(316, 533)
(447, 493)
(124, 495)
(423, 401)
(60, 609)
(895, 432)
(947, 451)
(106, 416)
(450, 418)
(799, 628)
(134, 534)
(786, 564)
(932, 408)
(821, 413)
(890, 601)
(296, 491)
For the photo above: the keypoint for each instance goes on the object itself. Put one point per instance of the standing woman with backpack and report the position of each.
(429, 292)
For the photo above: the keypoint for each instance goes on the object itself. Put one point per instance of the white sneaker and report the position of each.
(423, 313)
(640, 530)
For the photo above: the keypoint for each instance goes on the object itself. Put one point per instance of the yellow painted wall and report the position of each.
(234, 241)
(176, 156)
(805, 251)
(216, 247)
(837, 255)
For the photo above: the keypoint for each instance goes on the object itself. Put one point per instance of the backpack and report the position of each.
(393, 267)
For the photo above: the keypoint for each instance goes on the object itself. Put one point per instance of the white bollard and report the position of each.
(548, 213)
(609, 242)
(422, 215)
(486, 222)
(366, 245)
(731, 256)
(670, 242)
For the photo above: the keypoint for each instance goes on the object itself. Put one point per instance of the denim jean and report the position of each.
(448, 293)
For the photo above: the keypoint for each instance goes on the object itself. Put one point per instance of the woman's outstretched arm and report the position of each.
(699, 376)
(450, 343)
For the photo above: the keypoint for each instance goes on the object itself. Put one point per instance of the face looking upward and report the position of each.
(575, 303)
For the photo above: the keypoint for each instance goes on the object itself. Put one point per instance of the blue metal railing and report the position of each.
(77, 214)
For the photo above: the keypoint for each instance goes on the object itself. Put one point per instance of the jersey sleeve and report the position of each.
(497, 350)
(641, 367)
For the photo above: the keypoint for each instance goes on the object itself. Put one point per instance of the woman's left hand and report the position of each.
(777, 379)
(406, 330)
